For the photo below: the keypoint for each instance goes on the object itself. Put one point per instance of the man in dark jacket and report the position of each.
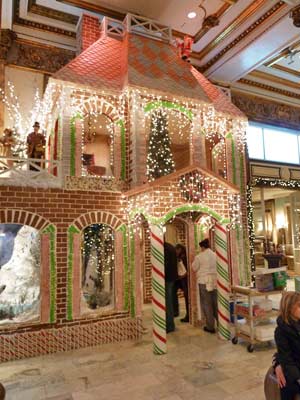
(170, 278)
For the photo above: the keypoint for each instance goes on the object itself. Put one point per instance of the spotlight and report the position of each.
(192, 15)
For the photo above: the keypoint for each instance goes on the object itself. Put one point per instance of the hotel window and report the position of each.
(269, 143)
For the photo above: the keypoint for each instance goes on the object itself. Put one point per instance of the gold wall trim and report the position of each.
(267, 111)
(203, 31)
(230, 27)
(39, 26)
(287, 70)
(96, 8)
(269, 88)
(264, 18)
(274, 79)
(44, 11)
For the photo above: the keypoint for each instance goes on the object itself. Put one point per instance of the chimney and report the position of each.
(88, 32)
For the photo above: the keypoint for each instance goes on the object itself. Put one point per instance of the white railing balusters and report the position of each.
(16, 171)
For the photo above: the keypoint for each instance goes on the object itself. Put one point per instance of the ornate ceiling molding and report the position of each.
(202, 31)
(269, 88)
(34, 25)
(287, 70)
(267, 111)
(7, 38)
(239, 21)
(34, 56)
(44, 11)
(274, 79)
(95, 8)
(277, 8)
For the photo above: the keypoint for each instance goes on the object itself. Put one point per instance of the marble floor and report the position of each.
(198, 366)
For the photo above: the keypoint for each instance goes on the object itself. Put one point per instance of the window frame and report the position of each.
(279, 129)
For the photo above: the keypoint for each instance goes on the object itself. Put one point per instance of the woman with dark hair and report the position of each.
(182, 283)
(205, 267)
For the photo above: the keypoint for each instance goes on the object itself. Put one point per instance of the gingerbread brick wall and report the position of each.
(88, 33)
(60, 208)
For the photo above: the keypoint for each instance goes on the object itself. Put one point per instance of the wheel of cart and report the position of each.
(250, 348)
(234, 340)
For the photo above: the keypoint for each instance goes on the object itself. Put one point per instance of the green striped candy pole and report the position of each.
(158, 291)
(223, 281)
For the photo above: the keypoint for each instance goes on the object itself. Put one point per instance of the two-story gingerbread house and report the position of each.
(95, 210)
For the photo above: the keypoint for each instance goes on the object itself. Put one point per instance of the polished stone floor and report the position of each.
(198, 366)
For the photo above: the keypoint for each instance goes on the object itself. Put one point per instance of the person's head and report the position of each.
(36, 127)
(8, 132)
(290, 306)
(204, 244)
(180, 249)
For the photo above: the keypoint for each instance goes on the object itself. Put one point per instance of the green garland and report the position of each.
(132, 273)
(170, 105)
(51, 230)
(125, 266)
(71, 231)
(271, 182)
(73, 143)
(123, 149)
(179, 210)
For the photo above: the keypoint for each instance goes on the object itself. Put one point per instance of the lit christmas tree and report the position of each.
(159, 159)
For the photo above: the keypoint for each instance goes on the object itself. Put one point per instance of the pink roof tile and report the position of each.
(100, 66)
(154, 64)
(221, 102)
(142, 62)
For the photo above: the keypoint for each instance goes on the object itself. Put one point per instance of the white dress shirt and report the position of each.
(205, 265)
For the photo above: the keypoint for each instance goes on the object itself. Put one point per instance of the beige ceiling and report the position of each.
(168, 12)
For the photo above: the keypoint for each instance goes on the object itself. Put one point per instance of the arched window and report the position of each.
(98, 265)
(168, 147)
(20, 262)
(97, 151)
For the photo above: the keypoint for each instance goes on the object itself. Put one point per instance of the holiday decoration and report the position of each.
(223, 281)
(158, 290)
(159, 158)
(137, 142)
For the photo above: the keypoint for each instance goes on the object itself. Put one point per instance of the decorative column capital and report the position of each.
(7, 37)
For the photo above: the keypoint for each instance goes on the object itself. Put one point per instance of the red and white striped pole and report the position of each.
(158, 290)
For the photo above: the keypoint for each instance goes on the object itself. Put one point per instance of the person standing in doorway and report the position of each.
(205, 267)
(181, 283)
(170, 278)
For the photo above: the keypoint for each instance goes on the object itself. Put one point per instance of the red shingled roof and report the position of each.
(221, 102)
(100, 66)
(142, 62)
(154, 64)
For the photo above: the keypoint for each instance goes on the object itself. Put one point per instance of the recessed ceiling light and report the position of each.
(191, 14)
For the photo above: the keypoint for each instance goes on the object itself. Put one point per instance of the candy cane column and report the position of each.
(158, 290)
(221, 242)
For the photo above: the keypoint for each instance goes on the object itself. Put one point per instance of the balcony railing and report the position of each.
(30, 172)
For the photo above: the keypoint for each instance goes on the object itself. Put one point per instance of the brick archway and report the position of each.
(24, 218)
(99, 106)
(74, 260)
(98, 217)
(48, 257)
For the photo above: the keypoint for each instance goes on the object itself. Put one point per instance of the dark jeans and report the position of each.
(183, 285)
(209, 305)
(170, 326)
(290, 391)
